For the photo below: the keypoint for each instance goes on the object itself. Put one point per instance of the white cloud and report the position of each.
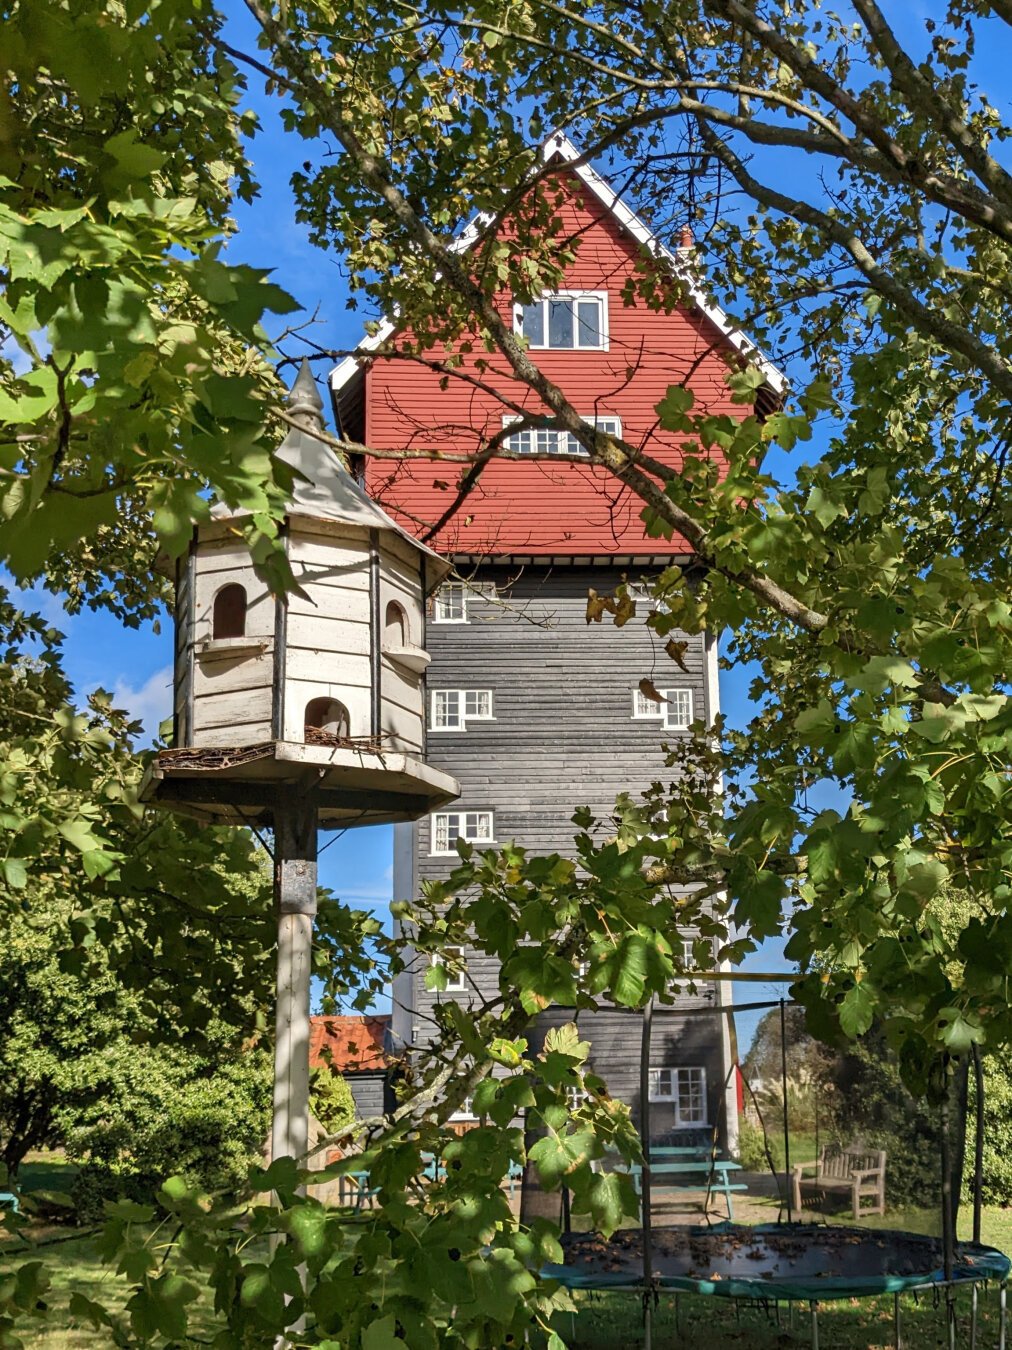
(151, 703)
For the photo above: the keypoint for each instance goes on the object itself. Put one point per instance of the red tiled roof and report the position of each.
(348, 1044)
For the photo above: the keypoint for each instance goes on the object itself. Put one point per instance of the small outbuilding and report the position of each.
(358, 1048)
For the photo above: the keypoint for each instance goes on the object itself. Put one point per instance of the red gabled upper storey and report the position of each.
(539, 508)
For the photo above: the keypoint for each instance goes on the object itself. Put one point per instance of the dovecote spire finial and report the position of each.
(304, 401)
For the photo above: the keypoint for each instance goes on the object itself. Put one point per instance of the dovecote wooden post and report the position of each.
(302, 711)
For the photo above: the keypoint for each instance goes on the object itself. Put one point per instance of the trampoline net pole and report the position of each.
(787, 1132)
(978, 1140)
(948, 1243)
(645, 1186)
(1002, 1311)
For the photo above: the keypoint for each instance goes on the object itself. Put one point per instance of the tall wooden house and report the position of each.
(532, 710)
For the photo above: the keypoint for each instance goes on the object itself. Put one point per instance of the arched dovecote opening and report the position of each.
(229, 615)
(329, 717)
(395, 626)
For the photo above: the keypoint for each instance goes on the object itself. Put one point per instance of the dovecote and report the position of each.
(324, 685)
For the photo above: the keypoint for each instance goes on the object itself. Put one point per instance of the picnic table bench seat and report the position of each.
(857, 1172)
(697, 1166)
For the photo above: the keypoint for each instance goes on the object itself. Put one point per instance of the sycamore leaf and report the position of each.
(649, 690)
(382, 1335)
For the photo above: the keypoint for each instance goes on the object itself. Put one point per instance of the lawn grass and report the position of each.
(74, 1263)
(606, 1321)
(611, 1321)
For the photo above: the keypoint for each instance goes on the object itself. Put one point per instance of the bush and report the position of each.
(166, 1112)
(331, 1099)
(95, 1184)
(876, 1110)
(997, 1180)
(751, 1148)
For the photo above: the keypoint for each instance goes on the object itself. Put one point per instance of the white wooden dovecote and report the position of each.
(324, 686)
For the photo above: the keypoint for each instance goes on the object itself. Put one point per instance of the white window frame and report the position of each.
(446, 590)
(669, 704)
(556, 441)
(576, 1096)
(465, 1111)
(671, 1095)
(649, 711)
(602, 296)
(456, 980)
(449, 851)
(680, 986)
(463, 716)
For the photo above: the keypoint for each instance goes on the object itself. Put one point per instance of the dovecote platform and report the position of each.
(245, 785)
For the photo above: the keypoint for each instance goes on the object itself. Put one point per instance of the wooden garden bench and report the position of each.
(858, 1172)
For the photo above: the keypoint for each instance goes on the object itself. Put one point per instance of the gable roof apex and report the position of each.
(681, 262)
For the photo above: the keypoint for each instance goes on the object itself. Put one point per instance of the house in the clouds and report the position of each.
(532, 710)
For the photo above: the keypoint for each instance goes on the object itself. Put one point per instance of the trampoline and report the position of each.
(790, 1262)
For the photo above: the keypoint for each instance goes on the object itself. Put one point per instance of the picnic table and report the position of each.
(692, 1162)
(357, 1190)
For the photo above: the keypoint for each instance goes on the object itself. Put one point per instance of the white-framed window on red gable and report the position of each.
(565, 321)
(552, 441)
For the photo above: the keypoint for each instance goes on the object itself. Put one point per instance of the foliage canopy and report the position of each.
(869, 586)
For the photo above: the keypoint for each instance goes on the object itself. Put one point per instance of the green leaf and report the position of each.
(382, 1335)
(857, 1010)
(15, 873)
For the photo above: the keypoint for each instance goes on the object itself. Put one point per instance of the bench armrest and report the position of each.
(798, 1170)
(859, 1174)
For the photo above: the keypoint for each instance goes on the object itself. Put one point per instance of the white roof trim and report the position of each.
(558, 144)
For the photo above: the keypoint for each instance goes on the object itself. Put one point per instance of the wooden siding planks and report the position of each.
(543, 507)
(563, 735)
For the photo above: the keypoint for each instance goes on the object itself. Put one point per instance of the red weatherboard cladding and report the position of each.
(539, 507)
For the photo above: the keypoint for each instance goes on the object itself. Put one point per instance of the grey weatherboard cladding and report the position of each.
(562, 735)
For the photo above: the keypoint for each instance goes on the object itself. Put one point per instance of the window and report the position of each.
(451, 603)
(449, 826)
(329, 716)
(567, 320)
(456, 968)
(686, 1088)
(229, 620)
(678, 709)
(552, 441)
(683, 986)
(576, 1096)
(674, 712)
(644, 707)
(452, 709)
(465, 1111)
(395, 628)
